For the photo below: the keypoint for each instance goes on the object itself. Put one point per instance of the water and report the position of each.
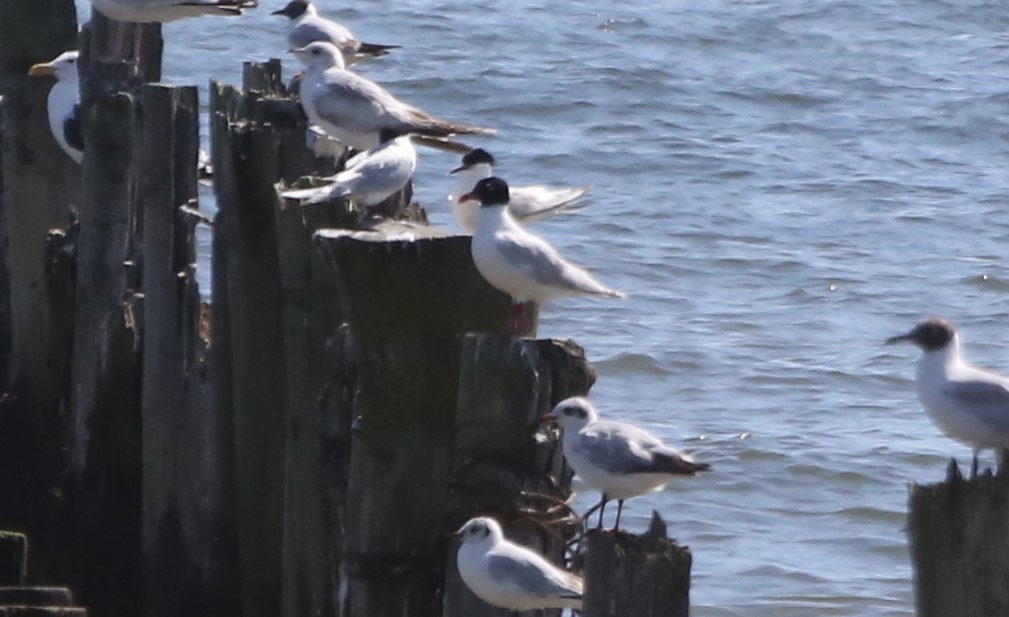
(780, 187)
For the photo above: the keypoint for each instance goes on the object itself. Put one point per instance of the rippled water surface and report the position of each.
(780, 187)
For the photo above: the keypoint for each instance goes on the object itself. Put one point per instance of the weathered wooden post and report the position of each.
(958, 531)
(504, 463)
(13, 558)
(644, 576)
(38, 183)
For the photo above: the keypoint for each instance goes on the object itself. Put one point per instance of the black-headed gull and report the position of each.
(63, 103)
(354, 109)
(968, 404)
(370, 176)
(510, 576)
(618, 459)
(527, 204)
(307, 26)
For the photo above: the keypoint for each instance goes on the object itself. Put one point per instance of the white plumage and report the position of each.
(63, 103)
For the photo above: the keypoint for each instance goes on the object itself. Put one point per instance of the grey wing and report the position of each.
(357, 104)
(616, 448)
(532, 203)
(539, 261)
(379, 174)
(989, 401)
(534, 577)
(311, 32)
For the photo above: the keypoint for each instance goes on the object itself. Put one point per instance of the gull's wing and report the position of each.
(532, 203)
(622, 448)
(313, 30)
(72, 131)
(988, 401)
(529, 574)
(536, 259)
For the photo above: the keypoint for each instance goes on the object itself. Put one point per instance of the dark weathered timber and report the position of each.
(245, 243)
(13, 558)
(36, 596)
(39, 183)
(506, 464)
(105, 436)
(190, 555)
(409, 296)
(644, 576)
(111, 42)
(958, 531)
(43, 611)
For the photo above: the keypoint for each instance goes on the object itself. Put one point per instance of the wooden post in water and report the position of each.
(958, 531)
(13, 558)
(38, 182)
(504, 464)
(644, 576)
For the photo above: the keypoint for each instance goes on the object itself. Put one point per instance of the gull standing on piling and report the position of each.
(63, 103)
(510, 576)
(370, 176)
(618, 459)
(307, 26)
(521, 264)
(968, 404)
(526, 204)
(354, 109)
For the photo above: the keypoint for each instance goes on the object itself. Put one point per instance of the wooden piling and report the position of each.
(958, 531)
(38, 183)
(644, 576)
(13, 558)
(505, 464)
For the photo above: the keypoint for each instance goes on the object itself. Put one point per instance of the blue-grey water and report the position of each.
(779, 186)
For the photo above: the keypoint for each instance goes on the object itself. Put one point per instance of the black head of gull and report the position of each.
(476, 156)
(931, 334)
(489, 192)
(294, 9)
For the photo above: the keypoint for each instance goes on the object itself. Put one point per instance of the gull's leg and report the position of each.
(602, 508)
(515, 318)
(138, 35)
(620, 508)
(973, 464)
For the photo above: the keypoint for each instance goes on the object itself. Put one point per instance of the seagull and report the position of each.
(371, 176)
(527, 204)
(510, 576)
(63, 103)
(354, 109)
(308, 27)
(521, 264)
(618, 459)
(968, 404)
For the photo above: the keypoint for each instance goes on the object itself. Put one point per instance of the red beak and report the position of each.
(548, 418)
(468, 197)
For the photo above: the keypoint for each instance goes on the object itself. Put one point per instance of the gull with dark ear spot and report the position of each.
(510, 576)
(307, 26)
(63, 103)
(968, 404)
(521, 264)
(527, 204)
(354, 109)
(370, 176)
(618, 459)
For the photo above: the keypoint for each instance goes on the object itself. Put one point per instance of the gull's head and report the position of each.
(932, 334)
(320, 55)
(63, 66)
(479, 530)
(573, 414)
(489, 192)
(295, 9)
(477, 159)
(387, 134)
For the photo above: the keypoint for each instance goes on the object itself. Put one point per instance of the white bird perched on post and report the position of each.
(307, 26)
(968, 404)
(63, 103)
(618, 459)
(370, 176)
(353, 109)
(521, 264)
(510, 576)
(527, 204)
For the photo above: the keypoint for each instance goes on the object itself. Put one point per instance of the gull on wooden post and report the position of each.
(968, 404)
(307, 26)
(63, 103)
(354, 109)
(618, 459)
(526, 204)
(519, 263)
(511, 576)
(370, 176)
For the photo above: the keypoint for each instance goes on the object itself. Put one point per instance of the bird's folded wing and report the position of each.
(356, 104)
(988, 401)
(318, 30)
(540, 262)
(533, 202)
(530, 576)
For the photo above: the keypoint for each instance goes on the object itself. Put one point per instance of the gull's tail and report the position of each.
(441, 143)
(316, 194)
(375, 50)
(424, 124)
(224, 7)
